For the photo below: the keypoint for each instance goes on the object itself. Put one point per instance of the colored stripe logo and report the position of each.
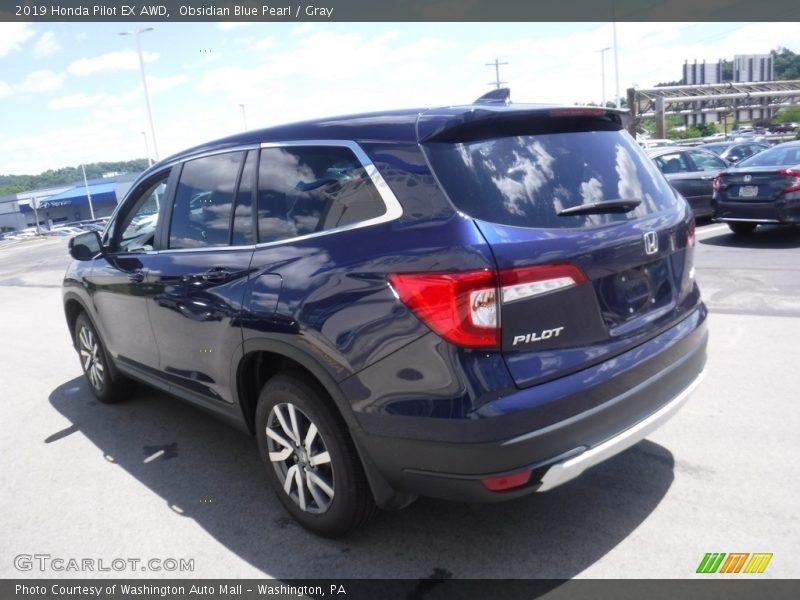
(735, 562)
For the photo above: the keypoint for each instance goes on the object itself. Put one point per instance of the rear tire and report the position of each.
(96, 364)
(742, 228)
(310, 459)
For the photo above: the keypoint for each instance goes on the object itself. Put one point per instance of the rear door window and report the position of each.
(705, 161)
(527, 180)
(201, 214)
(309, 189)
(673, 163)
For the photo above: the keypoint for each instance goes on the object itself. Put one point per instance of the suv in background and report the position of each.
(473, 302)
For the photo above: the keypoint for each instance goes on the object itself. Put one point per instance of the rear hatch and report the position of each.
(577, 286)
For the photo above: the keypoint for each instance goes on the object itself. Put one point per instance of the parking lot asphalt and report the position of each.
(79, 480)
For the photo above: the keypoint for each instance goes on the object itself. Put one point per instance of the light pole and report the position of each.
(616, 53)
(136, 34)
(602, 52)
(147, 149)
(88, 194)
(244, 117)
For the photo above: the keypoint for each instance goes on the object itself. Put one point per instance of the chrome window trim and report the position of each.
(394, 210)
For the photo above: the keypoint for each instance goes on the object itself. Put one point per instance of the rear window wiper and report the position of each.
(599, 208)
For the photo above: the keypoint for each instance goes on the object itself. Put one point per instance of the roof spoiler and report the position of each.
(498, 96)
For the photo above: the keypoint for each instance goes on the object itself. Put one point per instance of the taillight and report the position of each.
(463, 307)
(794, 186)
(690, 235)
(460, 307)
(716, 184)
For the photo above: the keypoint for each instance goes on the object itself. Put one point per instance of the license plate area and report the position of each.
(748, 191)
(634, 292)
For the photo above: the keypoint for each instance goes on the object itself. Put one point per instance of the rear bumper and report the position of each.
(661, 375)
(783, 210)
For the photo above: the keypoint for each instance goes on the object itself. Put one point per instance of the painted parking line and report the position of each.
(711, 231)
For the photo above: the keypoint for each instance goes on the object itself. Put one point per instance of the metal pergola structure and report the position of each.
(710, 98)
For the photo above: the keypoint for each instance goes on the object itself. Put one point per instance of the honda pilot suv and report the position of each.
(470, 303)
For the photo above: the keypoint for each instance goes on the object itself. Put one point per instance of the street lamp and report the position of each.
(602, 52)
(88, 195)
(244, 117)
(147, 149)
(136, 34)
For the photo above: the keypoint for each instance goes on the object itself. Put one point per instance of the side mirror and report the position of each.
(85, 246)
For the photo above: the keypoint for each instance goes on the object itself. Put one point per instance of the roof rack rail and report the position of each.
(498, 96)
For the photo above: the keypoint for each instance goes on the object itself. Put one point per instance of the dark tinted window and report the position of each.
(527, 180)
(776, 156)
(675, 162)
(203, 202)
(706, 161)
(243, 213)
(305, 189)
(137, 227)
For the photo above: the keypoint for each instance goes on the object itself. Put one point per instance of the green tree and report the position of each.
(787, 64)
(15, 184)
(788, 114)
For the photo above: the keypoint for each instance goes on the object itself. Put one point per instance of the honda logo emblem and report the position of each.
(747, 178)
(650, 242)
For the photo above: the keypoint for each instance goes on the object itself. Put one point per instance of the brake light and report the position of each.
(690, 235)
(716, 184)
(795, 185)
(463, 307)
(577, 112)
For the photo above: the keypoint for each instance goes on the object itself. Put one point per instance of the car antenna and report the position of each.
(498, 96)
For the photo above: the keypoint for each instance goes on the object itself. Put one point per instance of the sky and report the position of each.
(72, 92)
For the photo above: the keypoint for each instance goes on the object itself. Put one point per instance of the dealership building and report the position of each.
(65, 203)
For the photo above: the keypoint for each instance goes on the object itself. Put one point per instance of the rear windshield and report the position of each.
(527, 180)
(777, 156)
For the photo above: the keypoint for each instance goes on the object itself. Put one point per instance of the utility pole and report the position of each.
(35, 204)
(88, 194)
(496, 64)
(616, 52)
(602, 52)
(136, 34)
(244, 117)
(147, 149)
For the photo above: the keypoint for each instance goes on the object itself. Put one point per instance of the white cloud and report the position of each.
(123, 60)
(76, 101)
(161, 84)
(41, 81)
(230, 25)
(13, 36)
(303, 29)
(47, 45)
(264, 44)
(5, 89)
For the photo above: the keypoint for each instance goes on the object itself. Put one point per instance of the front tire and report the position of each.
(742, 228)
(96, 364)
(310, 459)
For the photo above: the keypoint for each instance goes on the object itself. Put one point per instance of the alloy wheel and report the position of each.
(91, 357)
(300, 458)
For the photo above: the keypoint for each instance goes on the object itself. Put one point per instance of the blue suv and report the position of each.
(472, 302)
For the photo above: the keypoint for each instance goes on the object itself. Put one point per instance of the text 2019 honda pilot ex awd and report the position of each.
(471, 302)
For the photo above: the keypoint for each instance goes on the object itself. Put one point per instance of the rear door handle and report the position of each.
(136, 276)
